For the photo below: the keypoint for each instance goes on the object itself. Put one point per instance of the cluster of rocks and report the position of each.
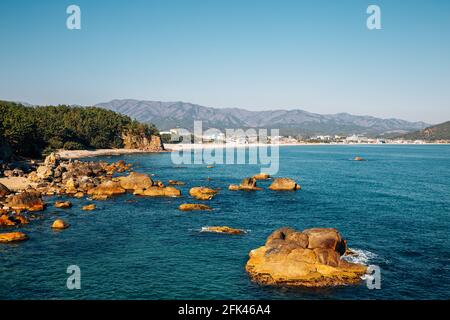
(278, 184)
(78, 179)
(311, 258)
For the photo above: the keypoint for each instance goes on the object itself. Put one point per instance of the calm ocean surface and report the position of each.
(394, 209)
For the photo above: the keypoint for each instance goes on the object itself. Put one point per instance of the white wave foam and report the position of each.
(360, 256)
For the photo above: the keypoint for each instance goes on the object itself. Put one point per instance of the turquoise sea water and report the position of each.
(394, 209)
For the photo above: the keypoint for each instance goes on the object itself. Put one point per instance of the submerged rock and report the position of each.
(176, 183)
(60, 224)
(88, 207)
(202, 193)
(311, 258)
(284, 184)
(193, 206)
(63, 204)
(223, 229)
(12, 237)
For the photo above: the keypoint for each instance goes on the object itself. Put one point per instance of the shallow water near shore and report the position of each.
(393, 210)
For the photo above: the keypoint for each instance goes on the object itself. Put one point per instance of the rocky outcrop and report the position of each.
(248, 184)
(142, 142)
(30, 201)
(223, 229)
(12, 237)
(60, 224)
(202, 193)
(193, 207)
(311, 258)
(136, 181)
(284, 184)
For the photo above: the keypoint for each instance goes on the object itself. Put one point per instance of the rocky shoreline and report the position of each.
(311, 258)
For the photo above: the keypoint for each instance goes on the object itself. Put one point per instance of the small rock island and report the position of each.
(311, 258)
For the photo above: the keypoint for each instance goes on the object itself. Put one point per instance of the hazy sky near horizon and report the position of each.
(314, 55)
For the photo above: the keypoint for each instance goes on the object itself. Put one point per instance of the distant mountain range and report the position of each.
(167, 115)
(437, 132)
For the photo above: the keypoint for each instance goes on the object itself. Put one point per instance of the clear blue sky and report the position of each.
(316, 55)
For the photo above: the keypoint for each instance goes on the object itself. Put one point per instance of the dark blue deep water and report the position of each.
(394, 209)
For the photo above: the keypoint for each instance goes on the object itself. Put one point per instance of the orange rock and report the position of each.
(223, 229)
(158, 192)
(88, 207)
(192, 207)
(63, 204)
(135, 181)
(60, 224)
(248, 184)
(261, 176)
(98, 197)
(311, 258)
(6, 221)
(108, 188)
(284, 184)
(12, 237)
(202, 193)
(79, 195)
(30, 201)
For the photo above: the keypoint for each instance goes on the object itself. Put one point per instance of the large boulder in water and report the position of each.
(284, 184)
(135, 181)
(311, 258)
(30, 201)
(60, 224)
(202, 193)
